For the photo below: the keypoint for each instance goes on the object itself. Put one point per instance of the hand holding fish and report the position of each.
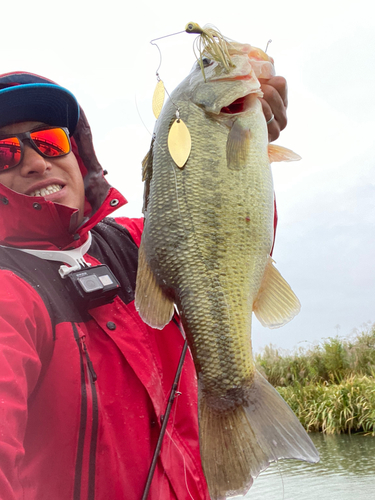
(274, 103)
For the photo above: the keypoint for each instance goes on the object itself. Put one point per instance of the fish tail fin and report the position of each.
(238, 444)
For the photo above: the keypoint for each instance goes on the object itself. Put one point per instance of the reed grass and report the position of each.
(346, 407)
(330, 386)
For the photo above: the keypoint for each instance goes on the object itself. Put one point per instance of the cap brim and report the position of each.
(42, 102)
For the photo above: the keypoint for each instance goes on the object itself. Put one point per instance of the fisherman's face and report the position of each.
(35, 174)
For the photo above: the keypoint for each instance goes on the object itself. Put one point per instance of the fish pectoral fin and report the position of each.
(276, 304)
(238, 145)
(153, 306)
(278, 153)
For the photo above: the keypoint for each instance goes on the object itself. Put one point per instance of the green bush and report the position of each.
(334, 408)
(332, 361)
(331, 386)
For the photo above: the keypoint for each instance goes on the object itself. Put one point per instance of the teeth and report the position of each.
(53, 188)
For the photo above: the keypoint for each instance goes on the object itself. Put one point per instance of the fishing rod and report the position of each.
(168, 409)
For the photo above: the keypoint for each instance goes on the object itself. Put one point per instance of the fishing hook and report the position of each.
(269, 41)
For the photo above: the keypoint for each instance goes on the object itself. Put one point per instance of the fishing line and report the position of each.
(184, 461)
(281, 477)
(139, 115)
(177, 200)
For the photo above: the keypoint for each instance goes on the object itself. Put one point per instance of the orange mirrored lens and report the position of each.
(10, 153)
(51, 142)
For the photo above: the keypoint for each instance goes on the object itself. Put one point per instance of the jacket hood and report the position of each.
(33, 222)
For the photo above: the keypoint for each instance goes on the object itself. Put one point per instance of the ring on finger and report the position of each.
(270, 120)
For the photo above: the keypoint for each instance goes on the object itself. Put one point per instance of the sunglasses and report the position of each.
(49, 142)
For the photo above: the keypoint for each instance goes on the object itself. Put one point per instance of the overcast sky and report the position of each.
(325, 243)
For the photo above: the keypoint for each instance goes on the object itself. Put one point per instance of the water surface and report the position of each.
(346, 471)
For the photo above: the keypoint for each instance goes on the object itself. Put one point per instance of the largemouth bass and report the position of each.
(206, 246)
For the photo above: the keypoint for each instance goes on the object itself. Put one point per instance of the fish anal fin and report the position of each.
(238, 145)
(236, 445)
(278, 153)
(153, 306)
(276, 304)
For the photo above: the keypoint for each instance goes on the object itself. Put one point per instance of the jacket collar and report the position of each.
(33, 222)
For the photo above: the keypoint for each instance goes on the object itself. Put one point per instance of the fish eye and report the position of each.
(206, 62)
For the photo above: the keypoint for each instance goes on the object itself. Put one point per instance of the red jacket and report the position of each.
(82, 399)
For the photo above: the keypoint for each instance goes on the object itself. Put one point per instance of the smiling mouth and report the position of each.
(53, 188)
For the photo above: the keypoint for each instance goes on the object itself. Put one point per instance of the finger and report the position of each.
(274, 100)
(267, 111)
(272, 124)
(280, 84)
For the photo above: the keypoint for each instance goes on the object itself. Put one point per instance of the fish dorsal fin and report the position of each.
(147, 175)
(278, 153)
(153, 306)
(145, 164)
(238, 145)
(276, 303)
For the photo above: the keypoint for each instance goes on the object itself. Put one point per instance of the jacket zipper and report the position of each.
(88, 360)
(89, 413)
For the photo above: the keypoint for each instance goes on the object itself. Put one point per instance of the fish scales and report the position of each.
(206, 247)
(213, 243)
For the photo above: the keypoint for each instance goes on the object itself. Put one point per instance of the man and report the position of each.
(84, 382)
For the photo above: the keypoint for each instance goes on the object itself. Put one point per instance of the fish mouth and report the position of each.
(240, 105)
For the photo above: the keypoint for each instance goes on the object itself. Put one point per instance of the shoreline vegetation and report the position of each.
(330, 386)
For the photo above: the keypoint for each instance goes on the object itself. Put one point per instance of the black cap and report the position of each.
(44, 102)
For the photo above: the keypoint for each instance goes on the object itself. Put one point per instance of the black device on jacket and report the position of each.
(93, 286)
